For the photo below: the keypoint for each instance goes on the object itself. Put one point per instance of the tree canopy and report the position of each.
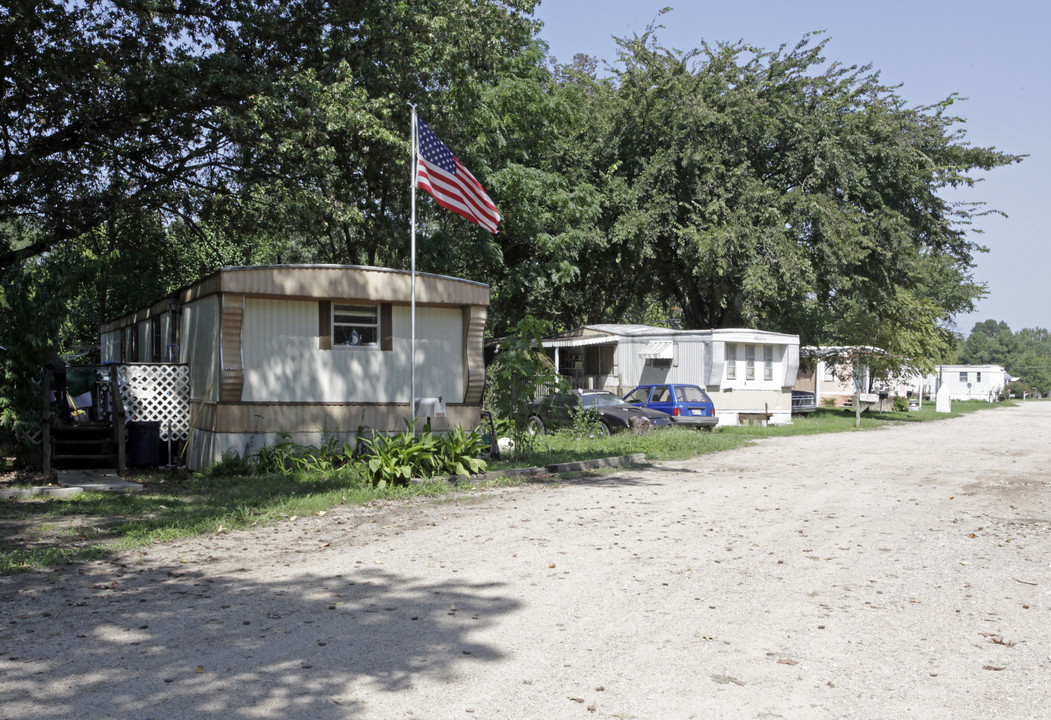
(1025, 354)
(151, 141)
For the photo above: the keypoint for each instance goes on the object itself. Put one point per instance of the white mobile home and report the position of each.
(830, 373)
(748, 373)
(310, 350)
(969, 382)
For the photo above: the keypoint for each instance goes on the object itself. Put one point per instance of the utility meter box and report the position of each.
(431, 407)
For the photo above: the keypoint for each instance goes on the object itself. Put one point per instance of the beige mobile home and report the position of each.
(308, 350)
(748, 373)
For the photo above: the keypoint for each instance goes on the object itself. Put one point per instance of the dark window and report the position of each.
(356, 325)
(662, 393)
(155, 337)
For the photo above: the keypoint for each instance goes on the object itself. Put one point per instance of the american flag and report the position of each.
(452, 185)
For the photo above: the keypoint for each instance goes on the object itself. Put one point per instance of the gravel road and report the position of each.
(897, 573)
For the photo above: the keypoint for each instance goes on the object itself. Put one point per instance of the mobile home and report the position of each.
(310, 350)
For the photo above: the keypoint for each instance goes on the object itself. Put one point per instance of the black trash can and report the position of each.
(144, 443)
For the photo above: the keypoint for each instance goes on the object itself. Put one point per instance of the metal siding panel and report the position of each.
(790, 362)
(200, 335)
(752, 401)
(439, 352)
(691, 364)
(631, 365)
(284, 364)
(473, 360)
(232, 370)
(363, 283)
(282, 359)
(714, 368)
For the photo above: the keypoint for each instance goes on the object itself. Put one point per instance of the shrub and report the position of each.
(288, 456)
(517, 374)
(901, 404)
(395, 459)
(585, 424)
(231, 465)
(459, 452)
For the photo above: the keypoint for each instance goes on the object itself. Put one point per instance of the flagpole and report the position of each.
(412, 322)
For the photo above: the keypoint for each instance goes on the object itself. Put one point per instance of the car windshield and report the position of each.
(688, 393)
(602, 400)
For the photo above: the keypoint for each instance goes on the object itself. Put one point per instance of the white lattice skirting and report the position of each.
(156, 392)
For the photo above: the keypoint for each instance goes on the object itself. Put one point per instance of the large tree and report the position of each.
(1026, 354)
(774, 189)
(290, 112)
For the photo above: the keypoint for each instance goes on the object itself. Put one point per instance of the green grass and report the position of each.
(40, 532)
(680, 443)
(36, 533)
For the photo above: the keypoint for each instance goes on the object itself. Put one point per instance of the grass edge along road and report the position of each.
(37, 533)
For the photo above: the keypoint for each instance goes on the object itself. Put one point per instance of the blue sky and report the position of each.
(996, 55)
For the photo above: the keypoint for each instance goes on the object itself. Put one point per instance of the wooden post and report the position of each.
(118, 421)
(45, 426)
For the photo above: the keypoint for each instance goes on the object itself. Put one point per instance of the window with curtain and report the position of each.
(355, 325)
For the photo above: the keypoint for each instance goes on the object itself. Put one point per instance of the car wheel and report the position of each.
(535, 426)
(603, 429)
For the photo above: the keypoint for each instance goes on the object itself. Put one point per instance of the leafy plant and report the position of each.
(586, 424)
(901, 404)
(458, 453)
(231, 465)
(518, 373)
(288, 456)
(395, 459)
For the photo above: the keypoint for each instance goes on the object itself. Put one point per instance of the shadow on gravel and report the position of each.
(608, 478)
(118, 641)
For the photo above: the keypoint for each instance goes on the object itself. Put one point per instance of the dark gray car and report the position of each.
(613, 414)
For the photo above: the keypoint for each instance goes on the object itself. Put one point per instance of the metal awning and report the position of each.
(656, 351)
(579, 342)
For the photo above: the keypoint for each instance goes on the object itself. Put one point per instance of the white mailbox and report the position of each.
(432, 407)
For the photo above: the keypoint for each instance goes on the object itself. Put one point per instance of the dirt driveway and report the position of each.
(898, 573)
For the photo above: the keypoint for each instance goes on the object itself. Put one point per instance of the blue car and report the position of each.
(687, 404)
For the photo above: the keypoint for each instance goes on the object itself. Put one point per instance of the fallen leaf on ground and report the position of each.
(788, 661)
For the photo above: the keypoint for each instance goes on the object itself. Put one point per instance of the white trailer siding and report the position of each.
(647, 355)
(972, 382)
(200, 347)
(284, 363)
